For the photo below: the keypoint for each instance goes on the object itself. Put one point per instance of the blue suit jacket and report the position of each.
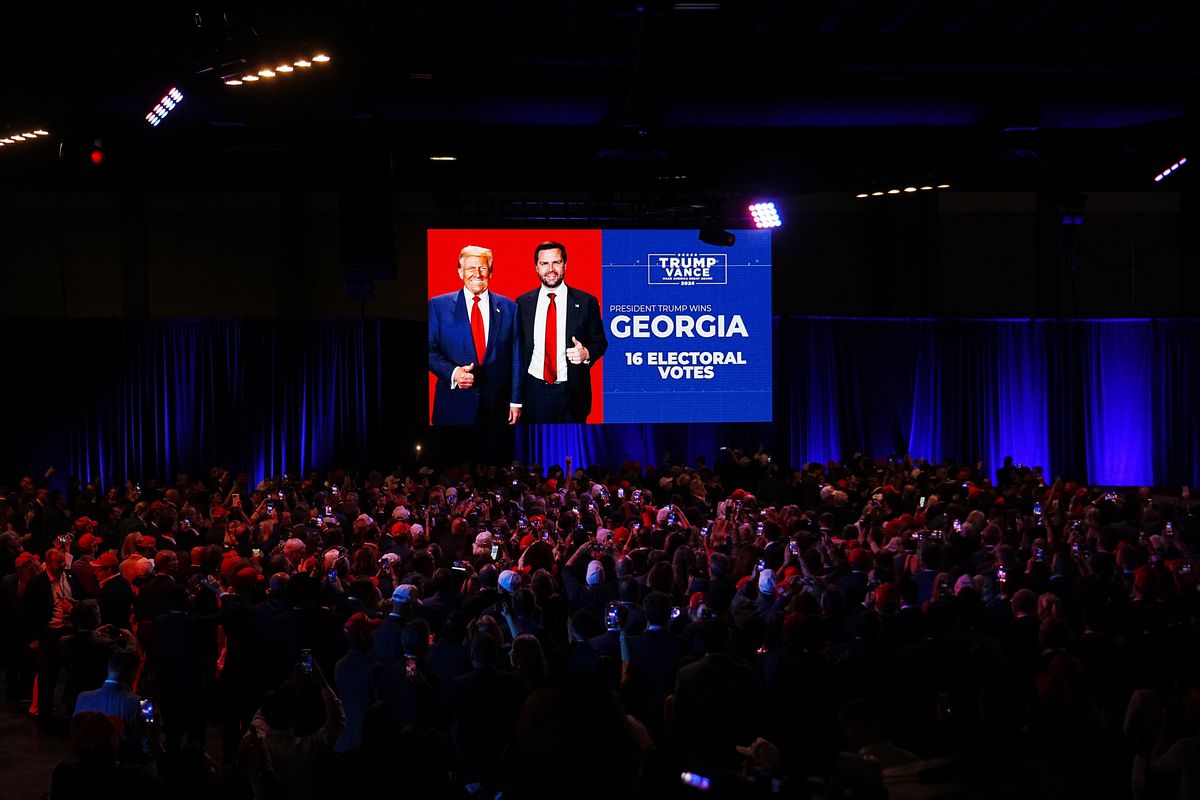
(499, 380)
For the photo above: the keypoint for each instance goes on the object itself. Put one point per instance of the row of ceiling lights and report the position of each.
(266, 73)
(905, 190)
(18, 138)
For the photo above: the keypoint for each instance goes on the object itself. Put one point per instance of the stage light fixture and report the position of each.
(864, 194)
(1166, 173)
(321, 58)
(303, 63)
(712, 233)
(908, 189)
(443, 158)
(249, 78)
(164, 106)
(233, 82)
(284, 68)
(765, 215)
(266, 73)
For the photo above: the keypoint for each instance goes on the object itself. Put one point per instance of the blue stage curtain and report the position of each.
(1110, 402)
(113, 399)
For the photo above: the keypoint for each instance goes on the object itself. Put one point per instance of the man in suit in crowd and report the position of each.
(656, 653)
(47, 605)
(474, 349)
(562, 336)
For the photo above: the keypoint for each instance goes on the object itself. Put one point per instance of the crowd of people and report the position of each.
(853, 629)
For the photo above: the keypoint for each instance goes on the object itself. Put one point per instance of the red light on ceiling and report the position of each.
(97, 157)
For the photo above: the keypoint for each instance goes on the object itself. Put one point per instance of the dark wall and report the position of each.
(168, 254)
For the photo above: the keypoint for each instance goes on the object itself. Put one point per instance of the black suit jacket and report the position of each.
(485, 704)
(655, 655)
(718, 705)
(583, 323)
(37, 605)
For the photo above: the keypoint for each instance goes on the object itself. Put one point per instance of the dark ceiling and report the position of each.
(611, 97)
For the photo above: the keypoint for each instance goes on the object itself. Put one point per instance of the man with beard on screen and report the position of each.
(562, 337)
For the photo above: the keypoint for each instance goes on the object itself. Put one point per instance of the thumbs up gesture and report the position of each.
(463, 377)
(577, 353)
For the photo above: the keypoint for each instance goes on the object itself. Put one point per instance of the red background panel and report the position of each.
(514, 274)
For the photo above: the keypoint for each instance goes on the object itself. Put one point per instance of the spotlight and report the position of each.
(712, 233)
(321, 58)
(1166, 173)
(266, 73)
(284, 68)
(303, 63)
(765, 215)
(233, 82)
(164, 106)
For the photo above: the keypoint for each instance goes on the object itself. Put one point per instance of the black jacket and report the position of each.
(583, 323)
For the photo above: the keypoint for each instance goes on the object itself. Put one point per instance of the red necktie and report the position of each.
(477, 331)
(551, 363)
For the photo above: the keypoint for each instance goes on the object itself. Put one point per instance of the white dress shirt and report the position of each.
(537, 364)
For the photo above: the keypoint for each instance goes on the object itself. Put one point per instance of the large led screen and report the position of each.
(643, 326)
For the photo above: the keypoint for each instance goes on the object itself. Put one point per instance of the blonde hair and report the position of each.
(129, 544)
(475, 250)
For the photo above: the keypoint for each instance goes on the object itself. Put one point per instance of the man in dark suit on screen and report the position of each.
(474, 349)
(562, 336)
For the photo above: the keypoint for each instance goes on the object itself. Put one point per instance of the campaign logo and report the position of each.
(687, 269)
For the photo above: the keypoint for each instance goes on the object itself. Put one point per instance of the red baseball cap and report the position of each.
(359, 627)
